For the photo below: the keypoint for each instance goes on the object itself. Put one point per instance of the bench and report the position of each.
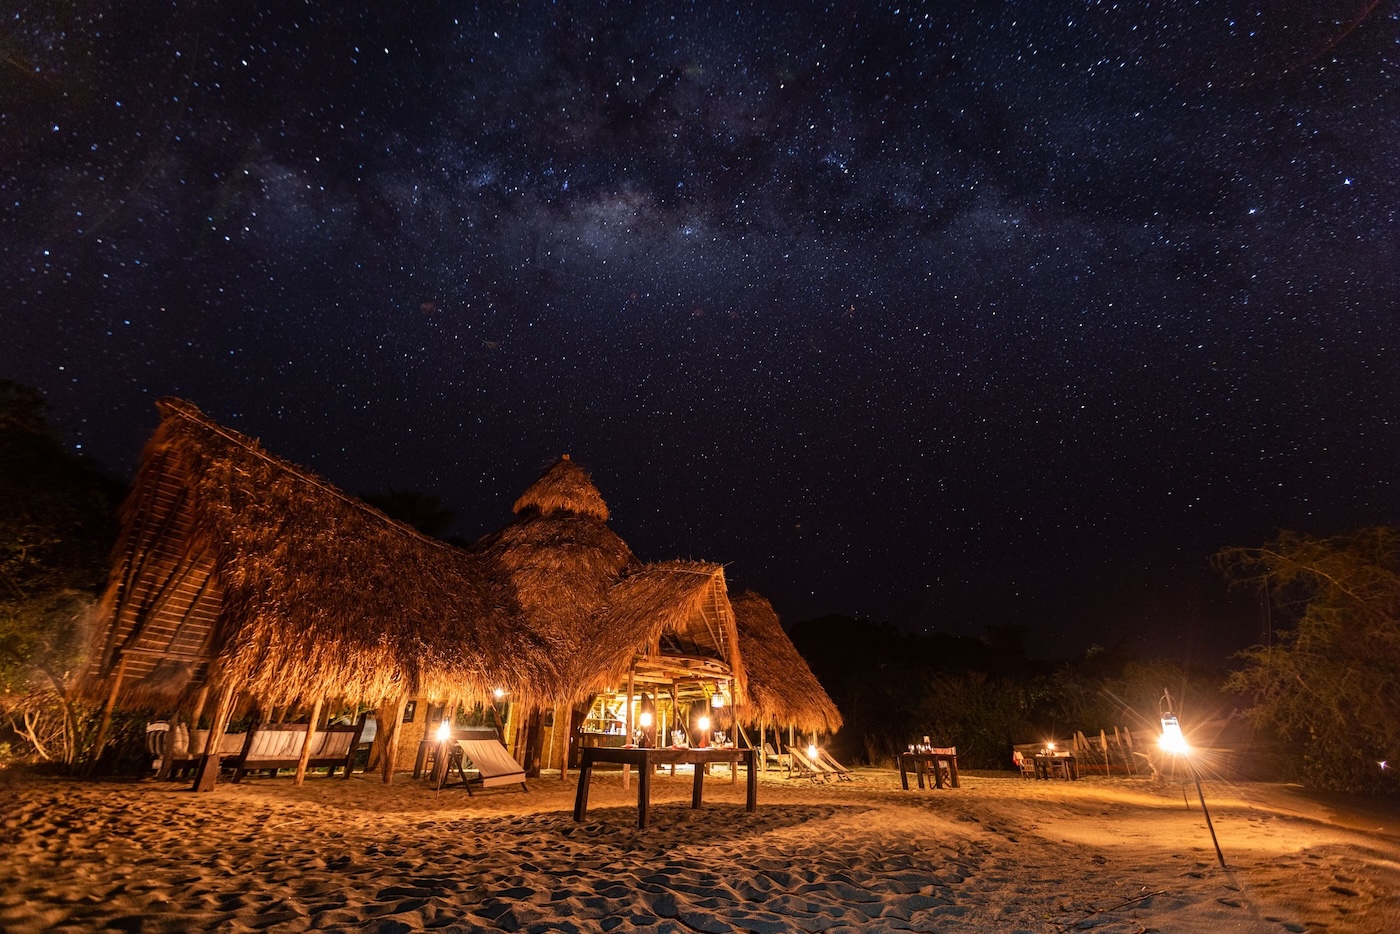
(273, 746)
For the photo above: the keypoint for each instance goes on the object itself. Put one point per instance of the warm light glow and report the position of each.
(1172, 741)
(645, 719)
(1050, 747)
(716, 701)
(703, 723)
(499, 693)
(1383, 764)
(812, 752)
(444, 731)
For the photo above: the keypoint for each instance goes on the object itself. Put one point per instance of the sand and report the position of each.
(997, 854)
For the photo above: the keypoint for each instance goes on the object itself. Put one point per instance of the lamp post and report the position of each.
(1172, 741)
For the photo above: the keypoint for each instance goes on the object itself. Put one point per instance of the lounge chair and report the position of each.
(771, 755)
(840, 771)
(494, 765)
(804, 767)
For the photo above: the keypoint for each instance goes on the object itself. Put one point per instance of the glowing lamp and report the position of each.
(645, 719)
(444, 731)
(1172, 741)
(703, 723)
(812, 752)
(499, 693)
(1050, 747)
(717, 701)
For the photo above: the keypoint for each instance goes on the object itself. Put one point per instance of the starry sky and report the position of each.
(947, 314)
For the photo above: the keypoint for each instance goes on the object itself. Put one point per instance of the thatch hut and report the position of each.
(240, 572)
(616, 626)
(782, 690)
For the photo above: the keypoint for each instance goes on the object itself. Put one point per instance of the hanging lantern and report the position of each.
(1171, 741)
(444, 730)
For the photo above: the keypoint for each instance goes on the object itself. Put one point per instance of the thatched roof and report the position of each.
(558, 562)
(578, 584)
(241, 567)
(781, 686)
(564, 487)
(676, 616)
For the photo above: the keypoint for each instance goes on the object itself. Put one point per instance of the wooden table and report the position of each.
(922, 762)
(646, 761)
(1045, 767)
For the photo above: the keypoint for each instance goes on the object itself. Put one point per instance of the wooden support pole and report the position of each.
(305, 757)
(627, 769)
(200, 700)
(208, 772)
(107, 714)
(389, 757)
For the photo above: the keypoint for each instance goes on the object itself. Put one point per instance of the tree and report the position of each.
(1329, 679)
(56, 528)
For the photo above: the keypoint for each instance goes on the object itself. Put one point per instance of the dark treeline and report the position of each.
(985, 695)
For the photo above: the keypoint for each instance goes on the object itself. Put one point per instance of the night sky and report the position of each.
(1006, 314)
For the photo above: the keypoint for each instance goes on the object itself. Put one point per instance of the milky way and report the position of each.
(1012, 315)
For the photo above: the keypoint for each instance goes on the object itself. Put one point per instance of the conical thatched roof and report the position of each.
(565, 487)
(558, 558)
(245, 569)
(577, 583)
(781, 686)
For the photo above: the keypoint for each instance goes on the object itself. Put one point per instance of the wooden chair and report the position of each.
(771, 755)
(1026, 766)
(803, 767)
(840, 771)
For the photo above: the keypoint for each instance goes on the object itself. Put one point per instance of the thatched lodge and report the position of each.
(243, 585)
(242, 579)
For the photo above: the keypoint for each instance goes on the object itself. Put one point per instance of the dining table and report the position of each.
(647, 759)
(931, 762)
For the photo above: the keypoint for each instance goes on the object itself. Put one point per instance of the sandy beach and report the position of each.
(997, 854)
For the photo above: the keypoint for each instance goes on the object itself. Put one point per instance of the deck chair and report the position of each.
(783, 760)
(1026, 766)
(493, 763)
(840, 771)
(803, 767)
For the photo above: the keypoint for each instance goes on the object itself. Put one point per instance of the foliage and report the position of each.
(893, 688)
(1104, 689)
(981, 695)
(1329, 680)
(55, 531)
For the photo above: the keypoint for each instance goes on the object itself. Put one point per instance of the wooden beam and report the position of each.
(305, 757)
(107, 714)
(208, 772)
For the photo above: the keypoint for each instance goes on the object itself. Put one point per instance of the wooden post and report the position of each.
(208, 772)
(306, 743)
(107, 714)
(390, 754)
(534, 742)
(199, 701)
(627, 769)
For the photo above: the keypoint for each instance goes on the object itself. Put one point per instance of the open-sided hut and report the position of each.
(616, 626)
(238, 573)
(782, 691)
